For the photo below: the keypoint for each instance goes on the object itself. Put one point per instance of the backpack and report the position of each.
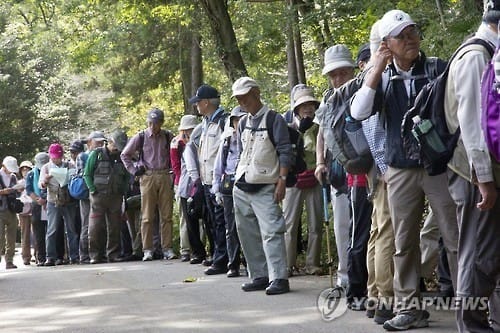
(168, 135)
(297, 163)
(430, 140)
(352, 151)
(77, 187)
(490, 109)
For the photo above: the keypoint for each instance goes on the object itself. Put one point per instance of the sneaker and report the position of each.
(148, 255)
(169, 254)
(405, 321)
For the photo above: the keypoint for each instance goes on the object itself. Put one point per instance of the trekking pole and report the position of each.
(325, 187)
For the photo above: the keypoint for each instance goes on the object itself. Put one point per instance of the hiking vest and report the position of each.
(396, 104)
(109, 174)
(258, 161)
(209, 146)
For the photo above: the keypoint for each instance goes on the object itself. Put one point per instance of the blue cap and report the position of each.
(204, 92)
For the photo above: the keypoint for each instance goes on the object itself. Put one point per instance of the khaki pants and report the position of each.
(25, 223)
(8, 229)
(407, 189)
(156, 193)
(380, 246)
(292, 211)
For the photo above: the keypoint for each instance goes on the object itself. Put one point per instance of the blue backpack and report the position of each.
(78, 188)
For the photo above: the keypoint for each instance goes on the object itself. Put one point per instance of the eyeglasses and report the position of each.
(410, 34)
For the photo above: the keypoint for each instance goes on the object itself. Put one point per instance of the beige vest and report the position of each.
(459, 163)
(258, 161)
(207, 151)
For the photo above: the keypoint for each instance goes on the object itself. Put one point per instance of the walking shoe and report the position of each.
(257, 284)
(214, 270)
(207, 262)
(405, 321)
(148, 256)
(169, 254)
(370, 313)
(26, 262)
(233, 273)
(382, 315)
(196, 260)
(357, 304)
(185, 257)
(278, 286)
(10, 265)
(49, 262)
(59, 262)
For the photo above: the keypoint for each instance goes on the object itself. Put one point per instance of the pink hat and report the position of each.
(56, 151)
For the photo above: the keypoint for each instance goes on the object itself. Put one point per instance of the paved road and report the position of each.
(152, 297)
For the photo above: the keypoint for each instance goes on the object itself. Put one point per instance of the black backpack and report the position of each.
(426, 137)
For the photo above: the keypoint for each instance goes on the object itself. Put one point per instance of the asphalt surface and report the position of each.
(167, 296)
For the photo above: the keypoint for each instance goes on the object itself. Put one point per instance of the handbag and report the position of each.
(306, 179)
(227, 184)
(13, 204)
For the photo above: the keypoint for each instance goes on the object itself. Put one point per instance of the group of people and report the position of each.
(241, 179)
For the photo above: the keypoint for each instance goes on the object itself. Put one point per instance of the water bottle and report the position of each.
(428, 138)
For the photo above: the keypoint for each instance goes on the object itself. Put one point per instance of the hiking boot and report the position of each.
(407, 320)
(148, 256)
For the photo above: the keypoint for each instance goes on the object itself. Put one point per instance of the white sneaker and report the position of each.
(169, 254)
(148, 256)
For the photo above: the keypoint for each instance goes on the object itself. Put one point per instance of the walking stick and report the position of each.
(325, 188)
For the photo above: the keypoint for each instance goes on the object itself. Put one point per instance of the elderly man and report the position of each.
(390, 86)
(107, 181)
(8, 219)
(59, 205)
(157, 194)
(207, 101)
(259, 188)
(474, 182)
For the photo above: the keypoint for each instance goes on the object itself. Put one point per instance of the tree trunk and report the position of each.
(290, 53)
(225, 38)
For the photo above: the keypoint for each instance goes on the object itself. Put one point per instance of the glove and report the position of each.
(305, 124)
(140, 171)
(218, 199)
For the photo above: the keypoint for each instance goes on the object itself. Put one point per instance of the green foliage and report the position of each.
(69, 67)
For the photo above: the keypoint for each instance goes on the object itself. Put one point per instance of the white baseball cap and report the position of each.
(393, 22)
(10, 163)
(243, 85)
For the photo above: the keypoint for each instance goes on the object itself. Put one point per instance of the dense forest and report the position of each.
(68, 67)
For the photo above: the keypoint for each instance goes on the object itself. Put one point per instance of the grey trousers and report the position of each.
(292, 211)
(407, 189)
(478, 255)
(261, 228)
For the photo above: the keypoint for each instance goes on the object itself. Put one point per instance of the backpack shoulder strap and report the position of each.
(271, 117)
(141, 145)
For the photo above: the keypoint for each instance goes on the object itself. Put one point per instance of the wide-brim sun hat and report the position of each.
(188, 122)
(337, 56)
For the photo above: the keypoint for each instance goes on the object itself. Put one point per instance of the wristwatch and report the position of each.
(283, 177)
